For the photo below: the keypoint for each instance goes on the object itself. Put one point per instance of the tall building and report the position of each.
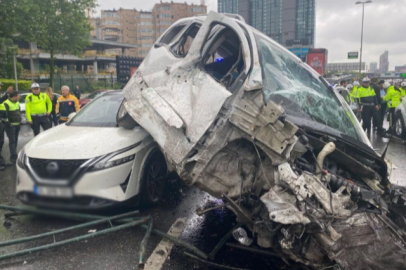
(228, 6)
(165, 14)
(140, 28)
(373, 67)
(384, 62)
(289, 22)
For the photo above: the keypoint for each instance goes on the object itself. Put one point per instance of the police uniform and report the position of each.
(36, 109)
(13, 126)
(393, 97)
(3, 124)
(65, 106)
(367, 101)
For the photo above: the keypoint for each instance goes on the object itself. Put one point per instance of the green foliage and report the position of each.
(17, 17)
(7, 49)
(22, 84)
(62, 27)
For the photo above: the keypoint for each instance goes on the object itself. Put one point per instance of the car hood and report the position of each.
(68, 142)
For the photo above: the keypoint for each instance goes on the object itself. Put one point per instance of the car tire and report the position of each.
(154, 177)
(124, 119)
(400, 126)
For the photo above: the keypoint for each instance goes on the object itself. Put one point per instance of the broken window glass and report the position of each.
(303, 95)
(171, 34)
(183, 46)
(223, 58)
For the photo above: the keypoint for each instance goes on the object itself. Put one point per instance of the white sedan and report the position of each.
(22, 106)
(90, 162)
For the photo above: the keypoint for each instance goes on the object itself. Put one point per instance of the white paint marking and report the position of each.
(162, 251)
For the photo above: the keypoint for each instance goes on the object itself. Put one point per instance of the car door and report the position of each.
(173, 97)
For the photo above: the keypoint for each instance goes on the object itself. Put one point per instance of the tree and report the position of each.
(7, 49)
(61, 27)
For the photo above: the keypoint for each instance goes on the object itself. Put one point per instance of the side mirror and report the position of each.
(71, 115)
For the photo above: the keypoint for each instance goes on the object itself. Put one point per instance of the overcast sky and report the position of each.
(338, 26)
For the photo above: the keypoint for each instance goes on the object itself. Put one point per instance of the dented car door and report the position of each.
(172, 95)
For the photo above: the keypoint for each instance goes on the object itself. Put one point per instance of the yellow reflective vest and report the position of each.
(37, 105)
(13, 112)
(393, 97)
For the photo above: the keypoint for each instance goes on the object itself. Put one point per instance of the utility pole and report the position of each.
(362, 33)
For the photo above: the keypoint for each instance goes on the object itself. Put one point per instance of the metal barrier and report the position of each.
(126, 220)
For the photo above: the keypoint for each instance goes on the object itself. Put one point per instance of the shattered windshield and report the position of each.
(287, 81)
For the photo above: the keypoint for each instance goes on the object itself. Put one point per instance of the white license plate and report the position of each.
(63, 192)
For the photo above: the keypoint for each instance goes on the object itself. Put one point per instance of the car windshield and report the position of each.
(101, 112)
(95, 94)
(303, 96)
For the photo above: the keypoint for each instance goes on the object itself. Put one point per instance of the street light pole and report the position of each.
(15, 70)
(362, 32)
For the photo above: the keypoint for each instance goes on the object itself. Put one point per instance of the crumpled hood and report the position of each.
(68, 142)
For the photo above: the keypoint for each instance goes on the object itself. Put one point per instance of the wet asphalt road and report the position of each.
(120, 250)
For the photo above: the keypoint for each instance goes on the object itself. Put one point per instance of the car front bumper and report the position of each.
(94, 190)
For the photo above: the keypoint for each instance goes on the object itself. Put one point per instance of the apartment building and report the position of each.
(140, 28)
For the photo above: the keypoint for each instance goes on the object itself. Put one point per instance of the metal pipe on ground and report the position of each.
(72, 240)
(80, 216)
(84, 225)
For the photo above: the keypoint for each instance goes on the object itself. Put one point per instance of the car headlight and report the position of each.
(105, 164)
(21, 159)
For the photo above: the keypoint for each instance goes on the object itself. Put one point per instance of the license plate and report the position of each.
(62, 192)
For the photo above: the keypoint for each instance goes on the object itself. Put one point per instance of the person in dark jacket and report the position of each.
(76, 92)
(52, 116)
(13, 124)
(3, 123)
(377, 121)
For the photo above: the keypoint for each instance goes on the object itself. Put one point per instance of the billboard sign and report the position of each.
(317, 61)
(353, 55)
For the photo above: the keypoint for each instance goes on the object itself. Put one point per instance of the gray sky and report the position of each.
(338, 26)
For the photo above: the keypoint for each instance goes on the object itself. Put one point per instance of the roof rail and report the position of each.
(235, 16)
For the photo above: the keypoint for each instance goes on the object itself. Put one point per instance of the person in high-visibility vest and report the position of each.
(14, 121)
(393, 98)
(353, 93)
(38, 106)
(368, 104)
(403, 88)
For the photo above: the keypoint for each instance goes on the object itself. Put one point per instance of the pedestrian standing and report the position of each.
(76, 92)
(52, 116)
(367, 103)
(403, 88)
(353, 93)
(66, 105)
(393, 97)
(38, 107)
(13, 124)
(377, 123)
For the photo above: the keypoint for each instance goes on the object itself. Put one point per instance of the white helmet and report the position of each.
(386, 85)
(356, 83)
(365, 80)
(349, 86)
(403, 84)
(34, 85)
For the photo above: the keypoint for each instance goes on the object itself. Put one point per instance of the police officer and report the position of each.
(38, 106)
(367, 103)
(403, 88)
(393, 97)
(13, 124)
